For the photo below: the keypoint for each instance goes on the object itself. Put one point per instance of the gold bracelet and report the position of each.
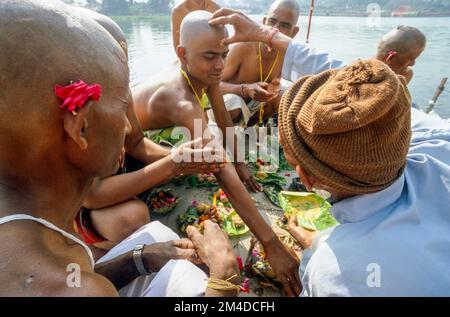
(223, 285)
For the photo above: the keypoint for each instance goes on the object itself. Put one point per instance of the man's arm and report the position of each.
(283, 262)
(299, 60)
(225, 122)
(178, 13)
(232, 66)
(119, 188)
(138, 146)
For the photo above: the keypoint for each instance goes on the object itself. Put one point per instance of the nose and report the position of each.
(412, 63)
(220, 64)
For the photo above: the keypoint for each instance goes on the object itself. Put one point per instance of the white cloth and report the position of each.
(178, 278)
(301, 60)
(51, 226)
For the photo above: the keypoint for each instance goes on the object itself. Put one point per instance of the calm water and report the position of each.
(347, 38)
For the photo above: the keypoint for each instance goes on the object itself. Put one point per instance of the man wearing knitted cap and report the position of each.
(349, 132)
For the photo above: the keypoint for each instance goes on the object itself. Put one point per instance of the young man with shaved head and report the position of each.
(183, 9)
(177, 101)
(64, 124)
(400, 48)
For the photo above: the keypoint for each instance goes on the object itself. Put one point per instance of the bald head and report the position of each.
(402, 39)
(43, 44)
(286, 4)
(195, 27)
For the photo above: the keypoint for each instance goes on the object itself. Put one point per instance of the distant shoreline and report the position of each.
(157, 16)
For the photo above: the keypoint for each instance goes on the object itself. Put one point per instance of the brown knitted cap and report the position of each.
(349, 128)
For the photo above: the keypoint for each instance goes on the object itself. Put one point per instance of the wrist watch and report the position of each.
(137, 258)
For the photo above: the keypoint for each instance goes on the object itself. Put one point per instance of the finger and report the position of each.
(285, 281)
(263, 85)
(211, 228)
(275, 81)
(183, 244)
(194, 235)
(297, 283)
(232, 39)
(254, 185)
(187, 254)
(222, 12)
(292, 222)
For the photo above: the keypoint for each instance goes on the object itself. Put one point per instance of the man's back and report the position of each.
(394, 242)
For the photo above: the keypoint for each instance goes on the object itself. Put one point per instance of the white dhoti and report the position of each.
(178, 278)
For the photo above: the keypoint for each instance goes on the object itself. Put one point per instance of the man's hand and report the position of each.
(156, 255)
(285, 265)
(247, 178)
(214, 249)
(245, 29)
(192, 157)
(303, 236)
(259, 92)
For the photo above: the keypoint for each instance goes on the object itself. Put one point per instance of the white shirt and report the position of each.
(301, 60)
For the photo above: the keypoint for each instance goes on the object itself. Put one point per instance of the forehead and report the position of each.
(283, 14)
(210, 41)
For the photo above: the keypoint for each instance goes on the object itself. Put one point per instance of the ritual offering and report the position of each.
(270, 178)
(162, 201)
(202, 180)
(311, 210)
(219, 211)
(258, 262)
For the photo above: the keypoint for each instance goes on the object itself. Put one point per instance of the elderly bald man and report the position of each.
(399, 49)
(51, 154)
(176, 100)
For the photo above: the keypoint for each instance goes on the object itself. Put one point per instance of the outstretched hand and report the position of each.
(260, 92)
(247, 178)
(158, 254)
(214, 249)
(246, 30)
(192, 157)
(285, 265)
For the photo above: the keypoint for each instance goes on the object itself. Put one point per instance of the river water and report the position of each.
(347, 38)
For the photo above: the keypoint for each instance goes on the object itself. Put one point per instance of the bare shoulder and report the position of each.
(213, 6)
(242, 48)
(48, 265)
(180, 10)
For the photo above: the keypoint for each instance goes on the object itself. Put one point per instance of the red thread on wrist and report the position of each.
(271, 35)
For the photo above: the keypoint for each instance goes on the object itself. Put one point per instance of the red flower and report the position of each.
(77, 94)
(245, 286)
(240, 263)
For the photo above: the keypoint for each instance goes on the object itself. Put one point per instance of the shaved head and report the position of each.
(196, 25)
(402, 39)
(43, 44)
(286, 4)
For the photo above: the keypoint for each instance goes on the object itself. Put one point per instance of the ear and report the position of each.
(306, 179)
(75, 126)
(181, 53)
(295, 31)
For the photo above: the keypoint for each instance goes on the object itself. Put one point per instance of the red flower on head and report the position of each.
(77, 94)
